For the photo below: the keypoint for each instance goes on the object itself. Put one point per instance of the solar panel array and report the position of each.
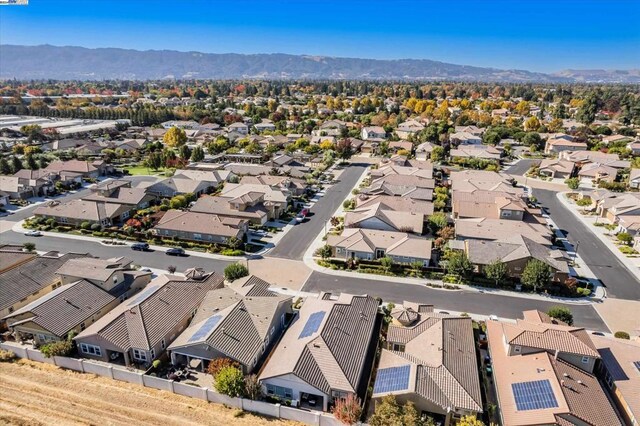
(637, 364)
(392, 379)
(536, 395)
(205, 328)
(313, 324)
(145, 293)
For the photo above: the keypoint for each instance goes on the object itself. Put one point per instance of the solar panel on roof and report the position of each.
(392, 379)
(205, 328)
(312, 325)
(145, 293)
(536, 395)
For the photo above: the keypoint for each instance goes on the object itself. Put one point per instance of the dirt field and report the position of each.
(40, 394)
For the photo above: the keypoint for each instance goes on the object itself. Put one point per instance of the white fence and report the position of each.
(258, 407)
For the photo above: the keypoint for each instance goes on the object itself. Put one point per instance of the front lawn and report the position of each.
(142, 171)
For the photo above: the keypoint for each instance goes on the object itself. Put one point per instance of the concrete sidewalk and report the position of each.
(632, 264)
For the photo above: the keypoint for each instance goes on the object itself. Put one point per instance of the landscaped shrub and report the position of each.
(230, 381)
(230, 252)
(7, 356)
(85, 225)
(235, 271)
(95, 227)
(622, 335)
(60, 348)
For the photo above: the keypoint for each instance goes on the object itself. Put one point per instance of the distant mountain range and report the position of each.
(79, 63)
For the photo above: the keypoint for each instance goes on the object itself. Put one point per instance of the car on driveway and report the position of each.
(176, 251)
(33, 233)
(140, 246)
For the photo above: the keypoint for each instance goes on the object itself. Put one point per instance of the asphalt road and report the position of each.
(460, 301)
(620, 283)
(297, 241)
(520, 168)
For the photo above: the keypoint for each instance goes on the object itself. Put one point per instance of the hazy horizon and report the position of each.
(505, 35)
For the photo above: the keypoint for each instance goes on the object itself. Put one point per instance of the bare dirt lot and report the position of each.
(41, 394)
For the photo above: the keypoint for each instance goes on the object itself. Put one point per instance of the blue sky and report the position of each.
(540, 36)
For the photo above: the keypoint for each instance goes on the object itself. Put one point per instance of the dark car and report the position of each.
(176, 251)
(140, 246)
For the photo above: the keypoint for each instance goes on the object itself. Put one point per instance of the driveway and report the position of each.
(295, 243)
(619, 282)
(520, 168)
(459, 301)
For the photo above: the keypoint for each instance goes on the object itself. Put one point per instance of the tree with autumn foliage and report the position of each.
(216, 365)
(175, 137)
(347, 410)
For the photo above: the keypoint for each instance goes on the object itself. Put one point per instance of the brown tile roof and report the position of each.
(142, 321)
(201, 223)
(92, 268)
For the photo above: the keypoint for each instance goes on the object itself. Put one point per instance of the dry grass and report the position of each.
(40, 394)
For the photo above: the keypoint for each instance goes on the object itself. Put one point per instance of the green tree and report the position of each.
(230, 381)
(561, 313)
(572, 183)
(59, 348)
(234, 243)
(5, 168)
(536, 274)
(587, 111)
(387, 263)
(184, 152)
(622, 335)
(496, 271)
(389, 413)
(32, 164)
(459, 264)
(197, 154)
(437, 221)
(175, 137)
(437, 153)
(234, 271)
(624, 237)
(344, 149)
(324, 252)
(16, 164)
(154, 162)
(347, 410)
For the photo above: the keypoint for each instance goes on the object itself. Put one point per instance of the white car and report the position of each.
(493, 317)
(33, 233)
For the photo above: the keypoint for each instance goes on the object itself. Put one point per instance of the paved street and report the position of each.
(295, 243)
(520, 168)
(460, 301)
(620, 283)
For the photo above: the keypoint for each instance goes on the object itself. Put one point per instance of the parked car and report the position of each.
(33, 233)
(176, 251)
(140, 246)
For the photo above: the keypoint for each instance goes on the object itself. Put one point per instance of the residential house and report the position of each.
(85, 169)
(423, 151)
(369, 244)
(180, 185)
(242, 196)
(414, 187)
(430, 360)
(598, 172)
(210, 228)
(265, 125)
(556, 168)
(378, 216)
(76, 212)
(213, 177)
(634, 146)
(474, 180)
(295, 186)
(396, 146)
(40, 181)
(116, 275)
(616, 205)
(240, 128)
(481, 152)
(401, 204)
(634, 179)
(465, 138)
(69, 308)
(474, 130)
(241, 322)
(15, 188)
(283, 160)
(25, 278)
(326, 353)
(584, 157)
(515, 252)
(563, 144)
(138, 330)
(120, 192)
(607, 140)
(250, 209)
(489, 204)
(543, 374)
(619, 369)
(409, 128)
(373, 133)
(499, 229)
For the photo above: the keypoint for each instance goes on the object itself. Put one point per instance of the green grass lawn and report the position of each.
(142, 170)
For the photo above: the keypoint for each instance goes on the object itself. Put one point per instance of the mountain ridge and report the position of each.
(81, 63)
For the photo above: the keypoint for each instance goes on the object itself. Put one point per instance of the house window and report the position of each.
(163, 344)
(585, 360)
(90, 349)
(398, 347)
(139, 355)
(517, 349)
(115, 279)
(82, 326)
(125, 215)
(153, 353)
(62, 219)
(279, 391)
